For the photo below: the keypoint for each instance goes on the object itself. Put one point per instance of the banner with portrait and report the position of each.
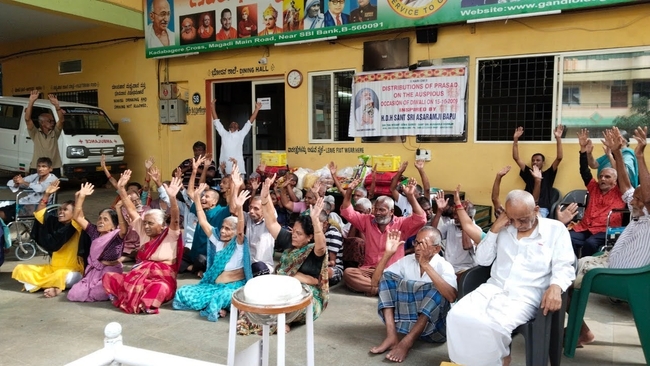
(426, 101)
(182, 27)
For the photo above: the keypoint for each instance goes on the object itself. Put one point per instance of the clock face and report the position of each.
(294, 78)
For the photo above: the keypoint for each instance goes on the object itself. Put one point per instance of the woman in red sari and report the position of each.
(152, 280)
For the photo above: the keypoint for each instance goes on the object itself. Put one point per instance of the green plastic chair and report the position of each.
(630, 285)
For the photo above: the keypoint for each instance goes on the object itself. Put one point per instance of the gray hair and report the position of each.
(232, 219)
(323, 216)
(157, 214)
(436, 236)
(521, 197)
(387, 201)
(362, 190)
(327, 206)
(614, 172)
(364, 203)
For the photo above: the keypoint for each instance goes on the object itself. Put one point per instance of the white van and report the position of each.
(87, 134)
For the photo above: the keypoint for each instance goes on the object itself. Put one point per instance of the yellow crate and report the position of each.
(274, 158)
(386, 163)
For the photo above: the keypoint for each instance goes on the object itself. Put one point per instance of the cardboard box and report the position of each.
(386, 163)
(274, 158)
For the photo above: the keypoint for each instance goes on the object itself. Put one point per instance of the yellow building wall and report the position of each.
(471, 164)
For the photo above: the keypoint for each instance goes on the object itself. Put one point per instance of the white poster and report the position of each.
(426, 101)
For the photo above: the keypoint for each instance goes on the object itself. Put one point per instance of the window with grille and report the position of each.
(512, 93)
(329, 106)
(89, 97)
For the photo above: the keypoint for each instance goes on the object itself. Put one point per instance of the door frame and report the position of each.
(257, 154)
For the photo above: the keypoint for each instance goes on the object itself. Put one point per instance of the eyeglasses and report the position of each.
(338, 2)
(163, 14)
(418, 242)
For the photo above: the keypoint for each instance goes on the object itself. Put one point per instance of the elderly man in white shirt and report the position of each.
(532, 264)
(260, 240)
(232, 141)
(428, 282)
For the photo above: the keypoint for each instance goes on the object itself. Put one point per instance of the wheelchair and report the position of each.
(613, 232)
(21, 226)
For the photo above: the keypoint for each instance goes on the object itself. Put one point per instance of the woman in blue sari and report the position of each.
(228, 263)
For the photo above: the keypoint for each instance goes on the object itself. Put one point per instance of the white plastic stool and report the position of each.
(281, 312)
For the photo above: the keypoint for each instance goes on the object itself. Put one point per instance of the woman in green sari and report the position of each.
(303, 257)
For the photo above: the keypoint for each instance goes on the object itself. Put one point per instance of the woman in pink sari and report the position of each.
(152, 280)
(107, 241)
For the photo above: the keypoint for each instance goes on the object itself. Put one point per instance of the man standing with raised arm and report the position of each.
(232, 141)
(538, 159)
(46, 136)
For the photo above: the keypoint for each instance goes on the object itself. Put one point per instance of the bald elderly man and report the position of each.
(158, 33)
(604, 195)
(532, 265)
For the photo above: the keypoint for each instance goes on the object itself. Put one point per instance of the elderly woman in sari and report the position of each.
(107, 241)
(303, 257)
(152, 280)
(59, 234)
(228, 265)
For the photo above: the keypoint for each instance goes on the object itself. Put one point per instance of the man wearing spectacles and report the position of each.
(335, 14)
(46, 135)
(157, 32)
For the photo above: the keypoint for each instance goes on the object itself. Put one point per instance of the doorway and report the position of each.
(236, 101)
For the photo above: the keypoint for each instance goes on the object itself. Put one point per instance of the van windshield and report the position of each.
(87, 121)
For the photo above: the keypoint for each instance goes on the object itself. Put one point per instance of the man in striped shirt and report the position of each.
(631, 249)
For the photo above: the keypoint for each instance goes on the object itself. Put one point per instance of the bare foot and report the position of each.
(287, 328)
(399, 352)
(585, 338)
(223, 313)
(388, 343)
(506, 360)
(52, 292)
(200, 274)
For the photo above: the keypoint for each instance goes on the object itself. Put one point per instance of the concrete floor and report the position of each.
(40, 331)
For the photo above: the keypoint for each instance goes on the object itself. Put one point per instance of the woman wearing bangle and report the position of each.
(304, 257)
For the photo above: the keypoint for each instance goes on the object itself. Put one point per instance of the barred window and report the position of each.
(330, 95)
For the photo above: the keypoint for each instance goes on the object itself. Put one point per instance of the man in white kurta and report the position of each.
(414, 293)
(232, 140)
(532, 264)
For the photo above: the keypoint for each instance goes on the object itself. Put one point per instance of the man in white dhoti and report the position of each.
(533, 264)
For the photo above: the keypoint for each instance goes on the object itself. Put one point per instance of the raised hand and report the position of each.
(393, 241)
(102, 161)
(54, 100)
(536, 172)
(316, 187)
(208, 158)
(242, 197)
(199, 191)
(315, 210)
(174, 186)
(154, 173)
(565, 216)
(255, 184)
(178, 173)
(268, 182)
(86, 190)
(640, 135)
(583, 137)
(501, 222)
(149, 162)
(612, 139)
(332, 167)
(441, 201)
(419, 164)
(118, 206)
(503, 171)
(197, 162)
(52, 187)
(559, 129)
(124, 179)
(258, 106)
(518, 132)
(33, 95)
(589, 147)
(235, 176)
(402, 166)
(457, 194)
(409, 188)
(607, 151)
(354, 184)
